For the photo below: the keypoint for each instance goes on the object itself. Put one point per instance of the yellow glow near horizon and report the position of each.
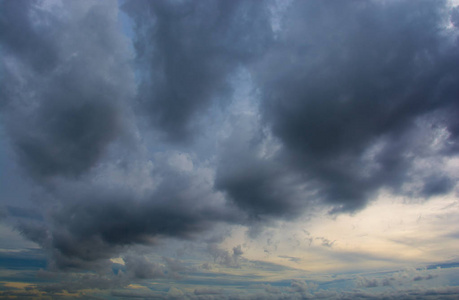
(388, 233)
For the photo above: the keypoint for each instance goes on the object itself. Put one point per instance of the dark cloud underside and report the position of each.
(61, 88)
(347, 85)
(347, 98)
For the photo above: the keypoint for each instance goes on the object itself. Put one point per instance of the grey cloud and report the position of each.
(93, 221)
(237, 251)
(262, 186)
(208, 291)
(275, 294)
(187, 51)
(176, 268)
(399, 278)
(419, 293)
(19, 36)
(302, 290)
(74, 283)
(140, 268)
(345, 87)
(22, 212)
(325, 242)
(353, 102)
(290, 258)
(367, 282)
(351, 94)
(61, 121)
(428, 277)
(303, 287)
(62, 115)
(68, 141)
(455, 16)
(206, 266)
(137, 295)
(224, 258)
(437, 185)
(96, 229)
(175, 265)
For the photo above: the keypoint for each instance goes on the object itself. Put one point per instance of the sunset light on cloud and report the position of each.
(229, 149)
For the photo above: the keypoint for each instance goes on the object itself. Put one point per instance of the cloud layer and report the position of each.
(233, 112)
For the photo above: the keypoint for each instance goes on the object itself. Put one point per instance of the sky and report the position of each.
(229, 149)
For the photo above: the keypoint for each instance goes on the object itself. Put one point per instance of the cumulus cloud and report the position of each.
(94, 223)
(64, 84)
(61, 119)
(139, 267)
(354, 105)
(346, 99)
(225, 258)
(350, 89)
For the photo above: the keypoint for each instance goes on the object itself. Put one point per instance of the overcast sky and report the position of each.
(229, 149)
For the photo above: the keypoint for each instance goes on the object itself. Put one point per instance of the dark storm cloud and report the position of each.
(21, 212)
(94, 222)
(67, 140)
(187, 51)
(18, 35)
(353, 97)
(61, 90)
(60, 119)
(350, 88)
(437, 185)
(261, 186)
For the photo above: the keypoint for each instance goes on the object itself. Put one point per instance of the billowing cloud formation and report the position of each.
(377, 86)
(357, 93)
(188, 50)
(336, 101)
(95, 220)
(63, 84)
